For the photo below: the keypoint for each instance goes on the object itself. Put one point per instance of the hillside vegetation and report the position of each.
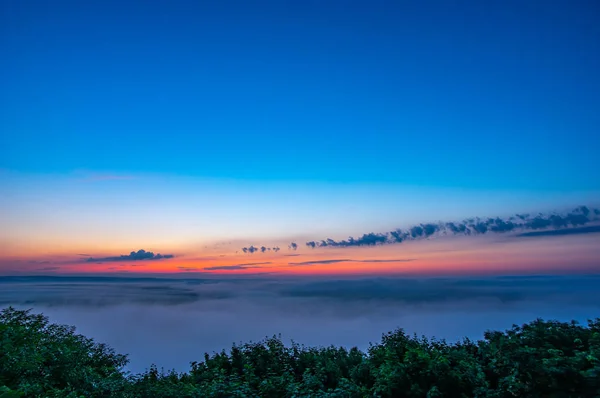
(538, 359)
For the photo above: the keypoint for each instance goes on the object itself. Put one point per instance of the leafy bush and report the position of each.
(42, 359)
(539, 359)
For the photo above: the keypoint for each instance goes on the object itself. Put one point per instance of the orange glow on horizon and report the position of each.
(457, 255)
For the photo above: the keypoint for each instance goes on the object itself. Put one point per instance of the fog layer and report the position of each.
(171, 322)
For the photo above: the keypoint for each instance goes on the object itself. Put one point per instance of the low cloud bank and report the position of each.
(171, 322)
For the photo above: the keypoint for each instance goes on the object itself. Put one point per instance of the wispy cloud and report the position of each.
(188, 269)
(237, 266)
(570, 231)
(133, 256)
(315, 262)
(348, 260)
(96, 177)
(132, 265)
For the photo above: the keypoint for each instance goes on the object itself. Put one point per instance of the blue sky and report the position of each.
(170, 126)
(494, 95)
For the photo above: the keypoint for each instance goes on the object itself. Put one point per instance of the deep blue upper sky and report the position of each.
(478, 94)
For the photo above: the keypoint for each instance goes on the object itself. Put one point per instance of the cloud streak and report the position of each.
(543, 224)
(105, 177)
(348, 260)
(237, 266)
(557, 232)
(188, 269)
(552, 223)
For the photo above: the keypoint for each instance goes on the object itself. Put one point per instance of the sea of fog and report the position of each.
(171, 322)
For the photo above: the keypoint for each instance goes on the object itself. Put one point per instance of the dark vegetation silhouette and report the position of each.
(539, 359)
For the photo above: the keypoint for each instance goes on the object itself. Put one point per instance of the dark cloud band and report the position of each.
(544, 225)
(541, 224)
(133, 256)
(570, 231)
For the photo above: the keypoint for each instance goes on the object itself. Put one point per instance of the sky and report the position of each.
(182, 137)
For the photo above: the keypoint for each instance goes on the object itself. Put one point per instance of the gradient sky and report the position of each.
(199, 128)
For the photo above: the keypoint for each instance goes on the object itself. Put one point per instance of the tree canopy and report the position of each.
(539, 359)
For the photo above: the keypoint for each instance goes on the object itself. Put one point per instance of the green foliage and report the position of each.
(539, 359)
(6, 392)
(39, 359)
